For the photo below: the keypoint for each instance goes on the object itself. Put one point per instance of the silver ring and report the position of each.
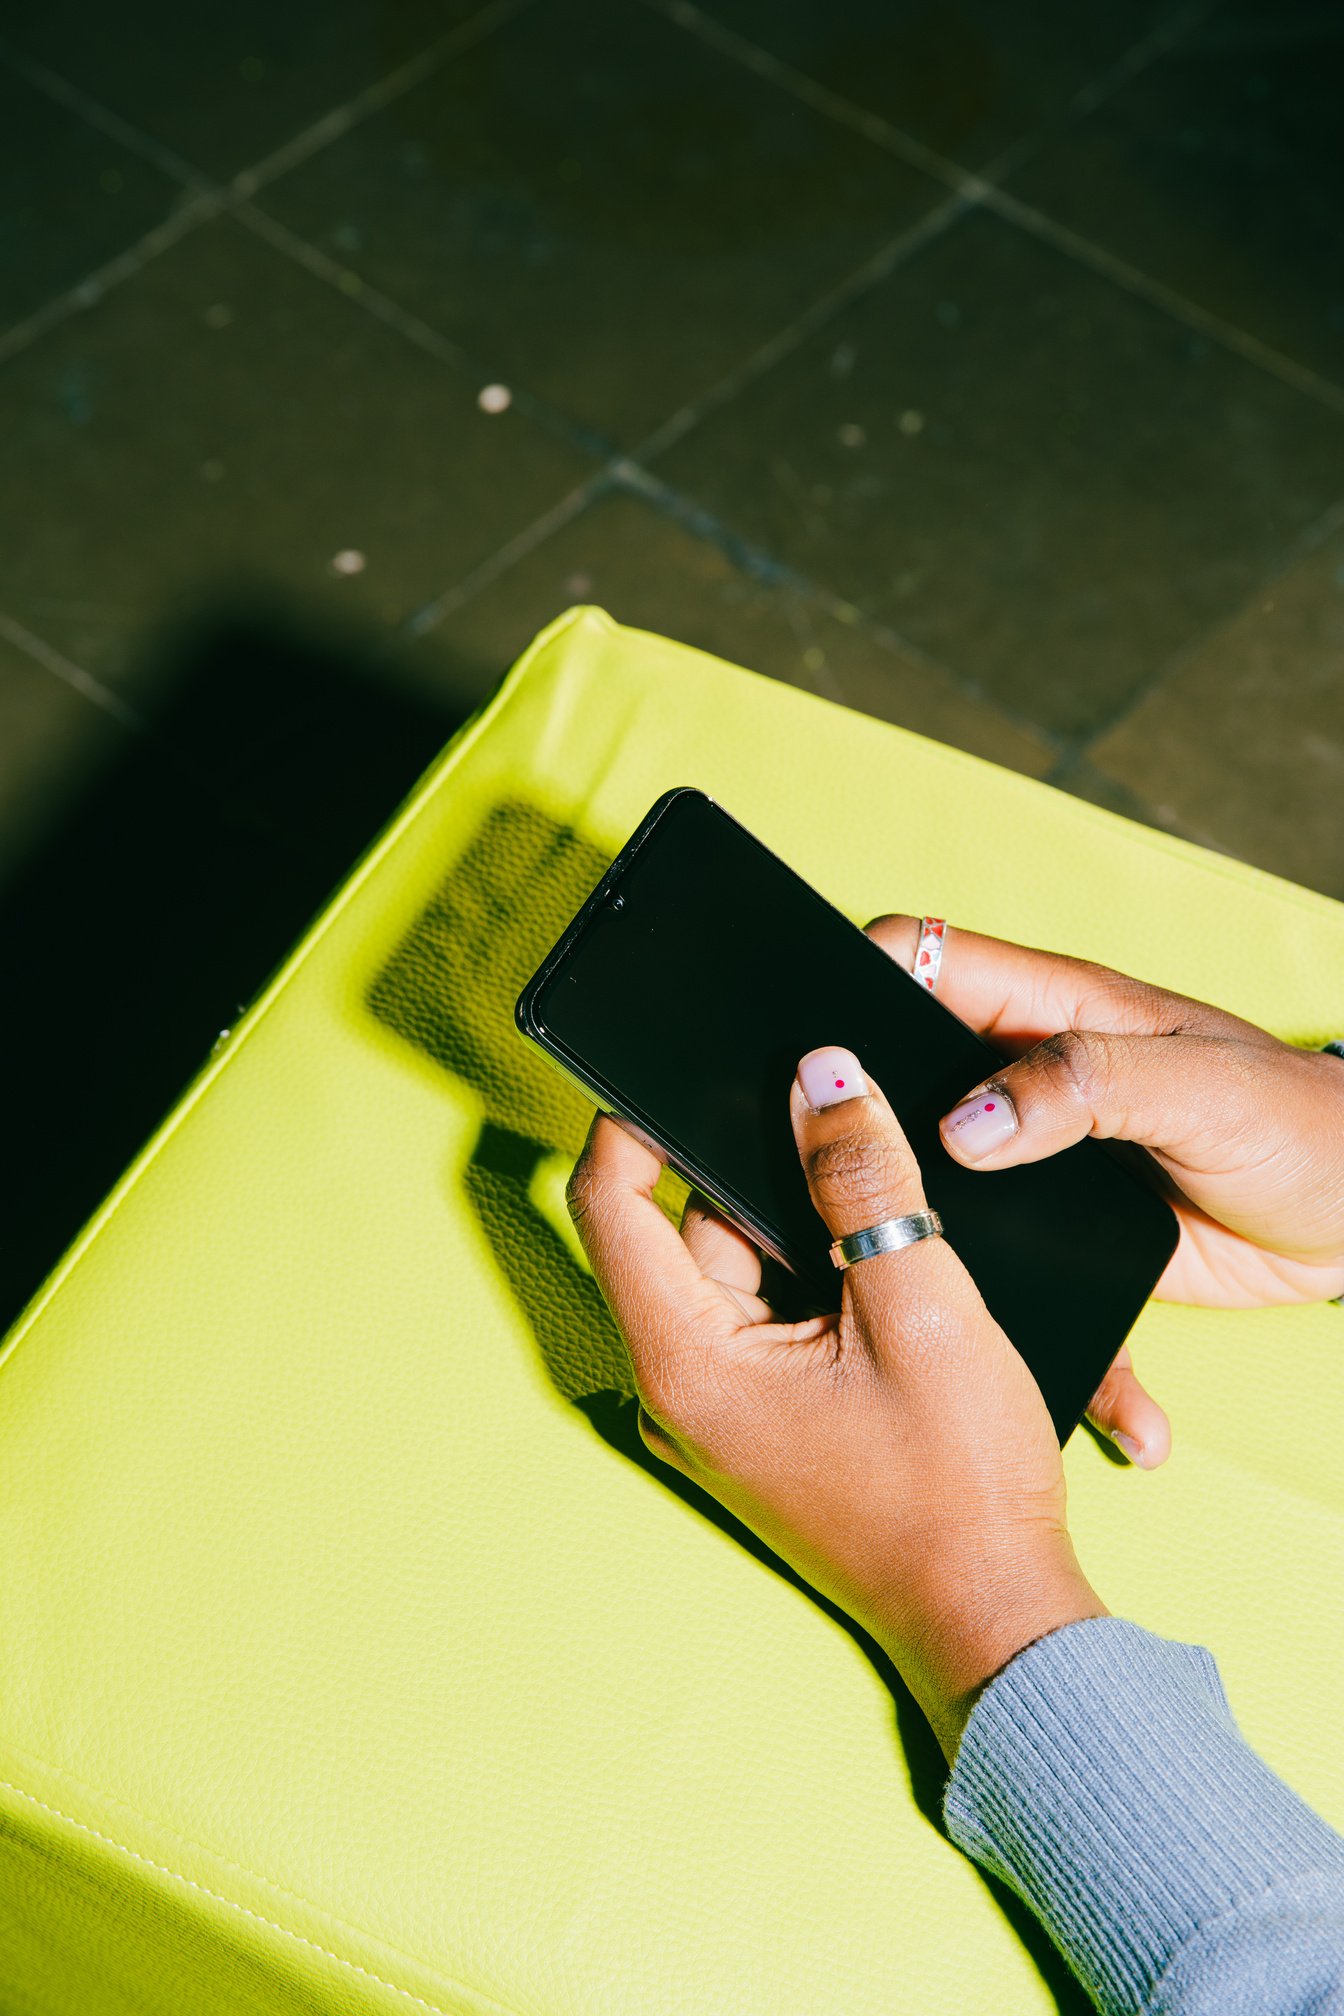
(888, 1237)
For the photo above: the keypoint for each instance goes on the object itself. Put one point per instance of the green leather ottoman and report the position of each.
(353, 1655)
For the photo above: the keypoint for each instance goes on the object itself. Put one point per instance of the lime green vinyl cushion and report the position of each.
(353, 1654)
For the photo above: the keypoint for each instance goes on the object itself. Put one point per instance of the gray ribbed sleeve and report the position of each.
(1102, 1776)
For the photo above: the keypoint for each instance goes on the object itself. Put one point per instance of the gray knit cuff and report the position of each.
(1102, 1776)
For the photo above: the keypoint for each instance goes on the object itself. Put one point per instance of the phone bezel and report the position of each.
(1140, 1168)
(607, 1096)
(588, 1080)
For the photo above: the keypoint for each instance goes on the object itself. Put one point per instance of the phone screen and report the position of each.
(703, 971)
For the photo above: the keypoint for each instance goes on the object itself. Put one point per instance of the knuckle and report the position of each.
(864, 1168)
(1118, 997)
(1077, 1059)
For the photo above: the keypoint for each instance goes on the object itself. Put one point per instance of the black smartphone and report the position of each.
(681, 997)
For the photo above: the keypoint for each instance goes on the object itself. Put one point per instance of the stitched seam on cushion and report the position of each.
(232, 1904)
(424, 795)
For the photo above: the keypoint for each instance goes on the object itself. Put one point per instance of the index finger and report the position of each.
(647, 1273)
(1016, 995)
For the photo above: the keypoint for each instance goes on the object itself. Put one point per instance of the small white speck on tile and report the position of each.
(494, 398)
(851, 435)
(348, 561)
(577, 585)
(912, 421)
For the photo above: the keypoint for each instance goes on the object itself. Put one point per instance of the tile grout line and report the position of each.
(893, 139)
(623, 473)
(969, 190)
(876, 268)
(757, 564)
(460, 592)
(341, 119)
(82, 106)
(196, 211)
(983, 187)
(750, 56)
(1162, 36)
(131, 718)
(1160, 40)
(70, 674)
(330, 272)
(233, 200)
(628, 470)
(1140, 810)
(208, 198)
(1301, 548)
(1085, 252)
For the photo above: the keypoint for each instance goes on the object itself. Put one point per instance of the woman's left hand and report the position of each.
(897, 1453)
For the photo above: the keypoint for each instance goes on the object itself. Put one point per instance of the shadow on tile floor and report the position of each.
(171, 884)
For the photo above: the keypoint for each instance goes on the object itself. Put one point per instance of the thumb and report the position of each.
(860, 1171)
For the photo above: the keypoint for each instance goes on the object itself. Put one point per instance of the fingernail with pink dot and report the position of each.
(980, 1125)
(828, 1076)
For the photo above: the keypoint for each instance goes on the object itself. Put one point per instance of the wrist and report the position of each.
(986, 1609)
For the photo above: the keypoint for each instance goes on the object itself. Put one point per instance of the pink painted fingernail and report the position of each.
(828, 1076)
(980, 1125)
(1132, 1449)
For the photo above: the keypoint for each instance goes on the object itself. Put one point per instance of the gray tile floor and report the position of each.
(981, 367)
(978, 365)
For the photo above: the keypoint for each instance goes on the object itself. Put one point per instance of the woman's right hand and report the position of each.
(1249, 1130)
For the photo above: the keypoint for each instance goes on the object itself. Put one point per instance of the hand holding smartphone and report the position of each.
(680, 998)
